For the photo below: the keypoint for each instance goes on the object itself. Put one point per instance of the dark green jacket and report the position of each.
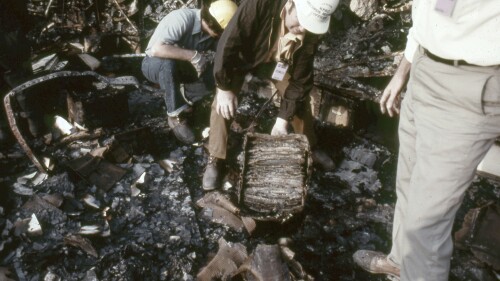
(244, 46)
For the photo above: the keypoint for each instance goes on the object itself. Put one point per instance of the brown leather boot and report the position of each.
(212, 175)
(181, 129)
(376, 262)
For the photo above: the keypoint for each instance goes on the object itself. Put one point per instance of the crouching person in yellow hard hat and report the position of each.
(271, 39)
(175, 56)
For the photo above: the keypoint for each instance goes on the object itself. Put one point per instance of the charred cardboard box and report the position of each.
(274, 177)
(100, 106)
(336, 110)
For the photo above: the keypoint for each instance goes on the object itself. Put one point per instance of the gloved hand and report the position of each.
(280, 127)
(199, 62)
(226, 103)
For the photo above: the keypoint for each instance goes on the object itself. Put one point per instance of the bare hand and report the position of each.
(280, 127)
(390, 100)
(226, 103)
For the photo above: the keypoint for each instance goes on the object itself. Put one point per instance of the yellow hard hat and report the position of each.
(222, 11)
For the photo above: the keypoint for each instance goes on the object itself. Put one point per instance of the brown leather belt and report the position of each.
(446, 61)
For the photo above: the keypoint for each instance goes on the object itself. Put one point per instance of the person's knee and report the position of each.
(421, 227)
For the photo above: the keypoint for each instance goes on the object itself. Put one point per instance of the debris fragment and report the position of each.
(90, 61)
(91, 201)
(134, 188)
(479, 233)
(168, 165)
(81, 243)
(205, 133)
(63, 125)
(218, 199)
(294, 266)
(97, 171)
(54, 199)
(22, 190)
(265, 263)
(227, 186)
(223, 266)
(364, 9)
(89, 230)
(249, 224)
(34, 228)
(222, 216)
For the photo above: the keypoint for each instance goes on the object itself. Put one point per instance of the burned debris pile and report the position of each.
(365, 46)
(108, 193)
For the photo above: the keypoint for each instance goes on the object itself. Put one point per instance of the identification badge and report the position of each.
(445, 7)
(280, 71)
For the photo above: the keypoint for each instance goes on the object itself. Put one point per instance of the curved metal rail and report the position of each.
(118, 81)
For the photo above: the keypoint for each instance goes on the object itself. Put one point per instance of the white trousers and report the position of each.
(449, 119)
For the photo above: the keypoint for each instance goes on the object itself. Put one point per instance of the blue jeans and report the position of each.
(170, 74)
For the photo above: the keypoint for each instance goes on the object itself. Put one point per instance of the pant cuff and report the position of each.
(178, 111)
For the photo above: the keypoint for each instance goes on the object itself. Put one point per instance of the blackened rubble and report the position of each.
(156, 231)
(160, 234)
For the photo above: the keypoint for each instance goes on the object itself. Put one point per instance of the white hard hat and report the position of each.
(314, 15)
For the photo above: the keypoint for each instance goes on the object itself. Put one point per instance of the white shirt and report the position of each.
(471, 33)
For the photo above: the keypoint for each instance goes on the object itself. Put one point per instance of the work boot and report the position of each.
(376, 262)
(322, 159)
(181, 130)
(213, 171)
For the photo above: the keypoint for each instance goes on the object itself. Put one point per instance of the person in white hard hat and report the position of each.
(175, 56)
(270, 39)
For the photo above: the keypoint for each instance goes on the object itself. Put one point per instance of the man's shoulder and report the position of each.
(185, 11)
(185, 14)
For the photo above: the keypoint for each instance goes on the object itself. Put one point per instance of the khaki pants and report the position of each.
(303, 123)
(450, 117)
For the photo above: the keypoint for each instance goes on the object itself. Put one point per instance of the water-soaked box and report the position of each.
(274, 176)
(336, 111)
(98, 107)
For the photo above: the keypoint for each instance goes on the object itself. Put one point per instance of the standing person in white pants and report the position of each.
(450, 117)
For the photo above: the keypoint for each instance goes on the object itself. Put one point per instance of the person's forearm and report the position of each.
(389, 101)
(171, 52)
(403, 70)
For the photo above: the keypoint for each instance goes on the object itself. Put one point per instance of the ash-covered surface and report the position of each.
(152, 229)
(155, 231)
